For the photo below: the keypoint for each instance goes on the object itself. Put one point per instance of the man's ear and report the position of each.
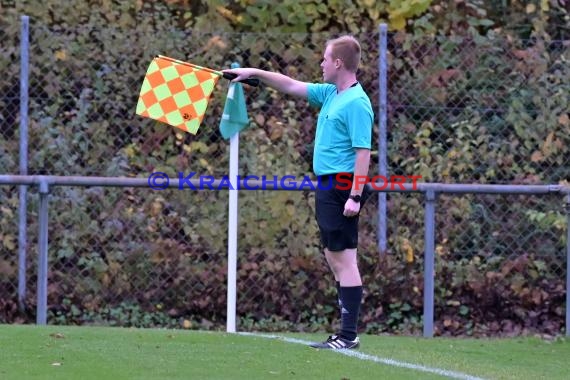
(337, 63)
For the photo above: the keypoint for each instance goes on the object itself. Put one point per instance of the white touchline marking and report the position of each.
(361, 356)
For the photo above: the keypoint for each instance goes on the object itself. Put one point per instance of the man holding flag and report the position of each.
(343, 141)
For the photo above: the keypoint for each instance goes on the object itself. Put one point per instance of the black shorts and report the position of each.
(338, 232)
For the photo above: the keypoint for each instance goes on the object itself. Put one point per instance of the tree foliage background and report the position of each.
(478, 92)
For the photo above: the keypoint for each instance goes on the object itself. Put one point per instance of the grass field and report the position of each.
(58, 352)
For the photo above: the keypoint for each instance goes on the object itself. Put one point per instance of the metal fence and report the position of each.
(459, 109)
(97, 279)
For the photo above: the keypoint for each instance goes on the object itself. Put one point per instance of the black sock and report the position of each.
(351, 298)
(338, 300)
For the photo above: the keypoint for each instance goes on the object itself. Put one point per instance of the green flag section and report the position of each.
(234, 118)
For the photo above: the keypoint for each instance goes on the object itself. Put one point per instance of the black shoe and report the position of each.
(335, 342)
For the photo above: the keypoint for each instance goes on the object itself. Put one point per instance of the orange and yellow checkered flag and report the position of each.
(176, 93)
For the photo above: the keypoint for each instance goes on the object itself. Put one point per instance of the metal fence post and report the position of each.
(41, 316)
(568, 265)
(429, 263)
(23, 189)
(382, 136)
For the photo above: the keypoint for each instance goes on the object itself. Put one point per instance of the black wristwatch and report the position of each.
(355, 198)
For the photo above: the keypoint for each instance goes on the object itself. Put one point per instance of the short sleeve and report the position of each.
(359, 119)
(318, 92)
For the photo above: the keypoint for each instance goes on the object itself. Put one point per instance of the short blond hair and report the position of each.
(347, 49)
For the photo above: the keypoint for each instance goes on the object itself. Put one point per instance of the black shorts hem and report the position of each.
(337, 232)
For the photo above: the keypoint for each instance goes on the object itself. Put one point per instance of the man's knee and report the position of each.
(342, 259)
(345, 268)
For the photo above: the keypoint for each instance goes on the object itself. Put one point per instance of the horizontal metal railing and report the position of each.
(430, 191)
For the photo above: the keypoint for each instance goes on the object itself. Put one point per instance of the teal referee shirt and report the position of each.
(344, 124)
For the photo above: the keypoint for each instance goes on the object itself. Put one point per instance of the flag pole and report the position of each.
(232, 214)
(191, 65)
(232, 234)
(251, 81)
(234, 118)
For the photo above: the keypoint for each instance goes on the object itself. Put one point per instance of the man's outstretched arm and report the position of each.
(280, 82)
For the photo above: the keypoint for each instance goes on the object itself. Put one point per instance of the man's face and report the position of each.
(329, 66)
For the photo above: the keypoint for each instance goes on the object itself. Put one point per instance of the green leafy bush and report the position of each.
(467, 104)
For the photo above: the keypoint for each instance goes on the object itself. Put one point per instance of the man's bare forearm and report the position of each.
(361, 167)
(278, 81)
